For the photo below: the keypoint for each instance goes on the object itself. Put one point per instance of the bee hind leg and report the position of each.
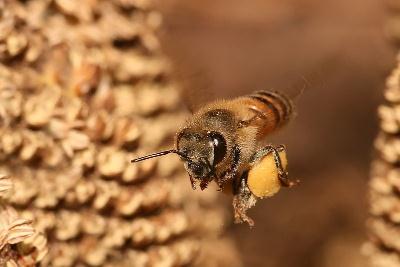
(282, 174)
(243, 200)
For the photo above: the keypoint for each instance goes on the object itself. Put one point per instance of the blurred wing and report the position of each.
(262, 119)
(194, 87)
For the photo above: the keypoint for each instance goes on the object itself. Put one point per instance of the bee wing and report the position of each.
(264, 113)
(258, 119)
(195, 86)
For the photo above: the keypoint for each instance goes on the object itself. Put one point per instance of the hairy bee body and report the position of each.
(242, 123)
(222, 142)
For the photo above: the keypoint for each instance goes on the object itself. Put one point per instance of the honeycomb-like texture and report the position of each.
(21, 245)
(83, 89)
(384, 229)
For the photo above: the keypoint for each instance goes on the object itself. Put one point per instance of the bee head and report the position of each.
(202, 152)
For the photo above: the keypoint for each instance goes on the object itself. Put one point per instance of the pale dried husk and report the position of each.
(84, 88)
(29, 246)
(383, 248)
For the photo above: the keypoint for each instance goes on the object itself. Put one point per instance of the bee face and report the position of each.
(203, 151)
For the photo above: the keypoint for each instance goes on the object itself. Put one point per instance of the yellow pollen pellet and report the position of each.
(263, 178)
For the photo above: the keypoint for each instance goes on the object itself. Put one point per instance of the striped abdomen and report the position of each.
(273, 110)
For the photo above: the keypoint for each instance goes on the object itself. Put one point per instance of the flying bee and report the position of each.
(222, 142)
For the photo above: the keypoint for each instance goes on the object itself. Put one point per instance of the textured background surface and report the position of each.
(228, 48)
(84, 88)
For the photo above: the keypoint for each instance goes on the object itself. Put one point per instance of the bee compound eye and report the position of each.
(219, 145)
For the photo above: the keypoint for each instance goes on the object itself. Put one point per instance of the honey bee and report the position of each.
(222, 142)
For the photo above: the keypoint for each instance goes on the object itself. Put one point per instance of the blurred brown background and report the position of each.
(336, 49)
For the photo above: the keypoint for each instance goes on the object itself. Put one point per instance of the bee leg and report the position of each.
(231, 173)
(282, 174)
(192, 182)
(204, 184)
(243, 200)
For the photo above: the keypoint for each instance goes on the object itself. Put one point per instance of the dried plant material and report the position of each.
(118, 232)
(74, 141)
(16, 43)
(13, 229)
(106, 193)
(179, 253)
(100, 127)
(92, 252)
(149, 100)
(93, 224)
(43, 220)
(67, 225)
(32, 145)
(10, 141)
(10, 101)
(126, 132)
(20, 244)
(129, 202)
(143, 232)
(159, 229)
(130, 174)
(85, 79)
(80, 94)
(82, 10)
(384, 247)
(391, 92)
(33, 249)
(381, 259)
(389, 122)
(35, 48)
(11, 263)
(5, 185)
(46, 184)
(111, 162)
(26, 190)
(157, 193)
(85, 191)
(147, 168)
(53, 154)
(135, 66)
(39, 109)
(67, 254)
(133, 3)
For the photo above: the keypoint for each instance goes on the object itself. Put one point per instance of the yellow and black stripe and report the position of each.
(275, 104)
(281, 101)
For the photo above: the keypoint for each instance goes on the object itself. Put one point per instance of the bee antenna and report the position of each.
(159, 154)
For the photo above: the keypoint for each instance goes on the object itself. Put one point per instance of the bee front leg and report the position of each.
(231, 173)
(192, 182)
(243, 200)
(282, 174)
